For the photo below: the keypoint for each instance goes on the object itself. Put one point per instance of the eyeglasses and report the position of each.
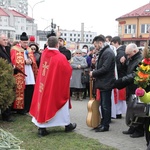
(33, 48)
(78, 53)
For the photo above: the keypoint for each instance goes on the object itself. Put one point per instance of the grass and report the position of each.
(26, 131)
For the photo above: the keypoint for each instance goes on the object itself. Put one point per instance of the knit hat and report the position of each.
(92, 48)
(24, 37)
(32, 39)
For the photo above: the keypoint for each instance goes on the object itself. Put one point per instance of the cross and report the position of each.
(45, 66)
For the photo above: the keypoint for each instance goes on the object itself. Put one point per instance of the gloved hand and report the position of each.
(139, 92)
(118, 84)
(16, 70)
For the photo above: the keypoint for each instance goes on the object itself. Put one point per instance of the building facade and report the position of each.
(19, 5)
(73, 38)
(133, 26)
(13, 23)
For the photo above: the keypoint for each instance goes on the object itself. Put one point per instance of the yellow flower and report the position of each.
(145, 68)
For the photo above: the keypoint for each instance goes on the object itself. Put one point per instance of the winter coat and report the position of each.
(128, 80)
(104, 73)
(76, 73)
(121, 68)
(66, 52)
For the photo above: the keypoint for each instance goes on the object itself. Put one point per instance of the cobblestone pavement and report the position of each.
(113, 137)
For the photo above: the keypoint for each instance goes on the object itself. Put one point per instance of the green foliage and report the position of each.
(7, 84)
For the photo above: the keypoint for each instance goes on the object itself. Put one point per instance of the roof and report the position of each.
(2, 12)
(18, 14)
(14, 13)
(143, 11)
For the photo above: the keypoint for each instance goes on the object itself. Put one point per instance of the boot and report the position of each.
(76, 96)
(80, 96)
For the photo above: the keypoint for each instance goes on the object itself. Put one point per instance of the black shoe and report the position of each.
(99, 126)
(131, 130)
(8, 119)
(42, 132)
(70, 127)
(136, 135)
(119, 116)
(101, 129)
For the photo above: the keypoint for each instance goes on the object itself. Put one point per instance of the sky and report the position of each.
(97, 15)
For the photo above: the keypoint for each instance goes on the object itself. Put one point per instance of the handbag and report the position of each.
(84, 78)
(136, 110)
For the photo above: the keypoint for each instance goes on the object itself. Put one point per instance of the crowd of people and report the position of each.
(47, 81)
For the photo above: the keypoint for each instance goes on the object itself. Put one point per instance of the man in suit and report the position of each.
(5, 54)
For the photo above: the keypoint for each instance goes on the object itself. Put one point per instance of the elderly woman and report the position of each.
(78, 64)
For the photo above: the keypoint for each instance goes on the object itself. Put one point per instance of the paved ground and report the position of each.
(113, 138)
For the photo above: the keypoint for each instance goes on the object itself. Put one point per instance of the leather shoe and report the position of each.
(119, 116)
(70, 127)
(101, 129)
(99, 126)
(127, 132)
(136, 135)
(42, 132)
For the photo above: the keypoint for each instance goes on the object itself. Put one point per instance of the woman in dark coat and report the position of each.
(36, 52)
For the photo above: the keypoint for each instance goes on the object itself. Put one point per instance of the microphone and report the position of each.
(27, 53)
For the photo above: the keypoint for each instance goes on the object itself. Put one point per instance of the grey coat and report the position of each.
(76, 72)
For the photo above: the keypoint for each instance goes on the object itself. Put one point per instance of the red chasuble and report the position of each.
(17, 58)
(52, 86)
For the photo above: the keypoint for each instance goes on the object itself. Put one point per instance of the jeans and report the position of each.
(105, 103)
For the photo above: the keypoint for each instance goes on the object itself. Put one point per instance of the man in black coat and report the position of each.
(63, 49)
(134, 58)
(105, 76)
(5, 54)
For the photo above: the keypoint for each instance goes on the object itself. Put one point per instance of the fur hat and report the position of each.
(24, 37)
(33, 44)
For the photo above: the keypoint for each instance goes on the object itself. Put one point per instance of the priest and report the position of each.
(51, 101)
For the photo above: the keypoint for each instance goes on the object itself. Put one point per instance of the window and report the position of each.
(74, 39)
(78, 35)
(130, 29)
(86, 35)
(22, 27)
(70, 39)
(74, 34)
(70, 34)
(65, 34)
(144, 28)
(17, 37)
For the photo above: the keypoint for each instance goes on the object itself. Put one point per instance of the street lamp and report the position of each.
(32, 7)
